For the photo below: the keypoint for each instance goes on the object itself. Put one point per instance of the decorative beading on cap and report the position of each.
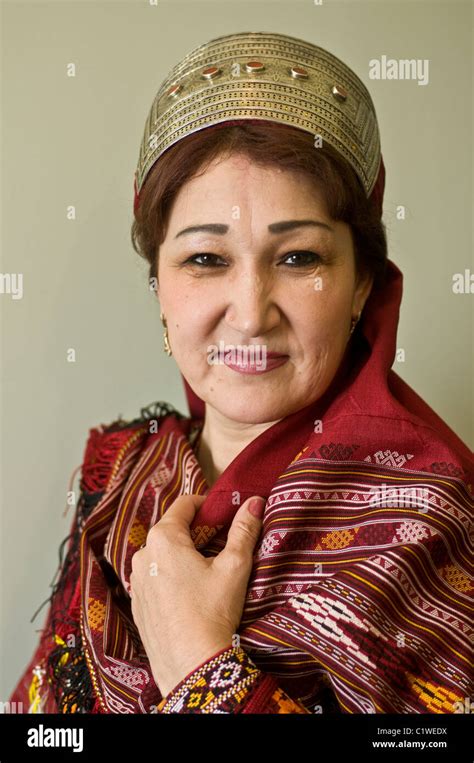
(268, 76)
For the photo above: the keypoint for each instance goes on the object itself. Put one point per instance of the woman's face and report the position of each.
(239, 271)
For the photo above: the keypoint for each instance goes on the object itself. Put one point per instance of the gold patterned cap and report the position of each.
(268, 76)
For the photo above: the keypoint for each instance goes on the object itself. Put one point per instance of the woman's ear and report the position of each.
(154, 286)
(362, 291)
(155, 279)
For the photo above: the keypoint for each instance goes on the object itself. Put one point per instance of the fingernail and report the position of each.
(257, 506)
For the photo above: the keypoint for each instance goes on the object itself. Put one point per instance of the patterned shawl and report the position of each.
(359, 597)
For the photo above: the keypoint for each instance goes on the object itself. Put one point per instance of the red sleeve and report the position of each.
(229, 682)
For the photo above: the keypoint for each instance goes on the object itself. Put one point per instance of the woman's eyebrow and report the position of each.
(217, 228)
(286, 225)
(281, 227)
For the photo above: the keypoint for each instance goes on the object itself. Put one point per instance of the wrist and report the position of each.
(169, 677)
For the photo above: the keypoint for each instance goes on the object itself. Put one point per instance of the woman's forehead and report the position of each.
(240, 181)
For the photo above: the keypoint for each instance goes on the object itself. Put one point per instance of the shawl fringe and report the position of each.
(66, 667)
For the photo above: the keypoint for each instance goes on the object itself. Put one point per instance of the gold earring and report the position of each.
(354, 322)
(166, 340)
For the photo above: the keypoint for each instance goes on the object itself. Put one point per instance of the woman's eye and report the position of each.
(208, 260)
(204, 255)
(304, 258)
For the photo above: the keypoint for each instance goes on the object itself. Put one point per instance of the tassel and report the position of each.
(34, 695)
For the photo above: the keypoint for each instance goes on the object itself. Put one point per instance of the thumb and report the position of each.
(246, 526)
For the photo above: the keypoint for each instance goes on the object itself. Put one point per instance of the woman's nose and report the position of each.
(252, 311)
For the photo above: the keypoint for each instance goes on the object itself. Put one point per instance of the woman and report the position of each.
(258, 203)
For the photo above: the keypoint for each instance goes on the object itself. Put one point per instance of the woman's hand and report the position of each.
(188, 607)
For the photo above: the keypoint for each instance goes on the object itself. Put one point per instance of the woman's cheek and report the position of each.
(325, 348)
(193, 356)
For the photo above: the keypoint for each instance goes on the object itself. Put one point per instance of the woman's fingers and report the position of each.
(184, 509)
(245, 529)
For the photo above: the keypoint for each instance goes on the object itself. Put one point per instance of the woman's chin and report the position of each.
(249, 408)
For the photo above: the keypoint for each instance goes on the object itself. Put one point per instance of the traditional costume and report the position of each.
(359, 600)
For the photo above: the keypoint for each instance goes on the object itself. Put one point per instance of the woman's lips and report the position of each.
(272, 361)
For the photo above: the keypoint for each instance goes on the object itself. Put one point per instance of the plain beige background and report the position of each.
(75, 141)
